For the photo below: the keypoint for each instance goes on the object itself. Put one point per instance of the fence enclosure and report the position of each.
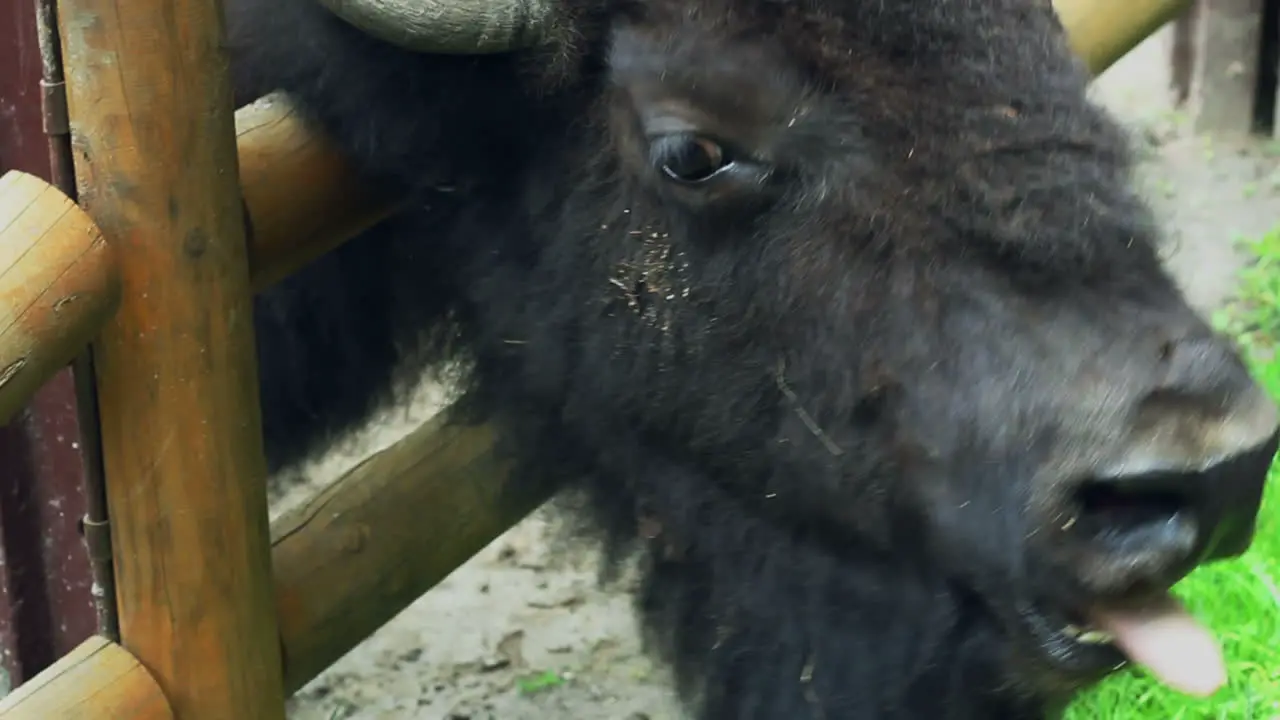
(140, 575)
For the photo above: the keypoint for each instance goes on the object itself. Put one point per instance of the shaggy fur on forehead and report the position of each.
(925, 36)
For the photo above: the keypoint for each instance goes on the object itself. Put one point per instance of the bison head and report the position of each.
(848, 309)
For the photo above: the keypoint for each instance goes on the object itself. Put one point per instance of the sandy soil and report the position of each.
(520, 609)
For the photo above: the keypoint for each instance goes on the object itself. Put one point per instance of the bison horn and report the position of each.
(455, 27)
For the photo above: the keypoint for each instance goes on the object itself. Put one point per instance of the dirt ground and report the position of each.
(522, 632)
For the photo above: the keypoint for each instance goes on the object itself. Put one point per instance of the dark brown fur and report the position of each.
(839, 385)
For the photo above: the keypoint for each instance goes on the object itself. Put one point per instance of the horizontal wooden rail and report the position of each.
(382, 535)
(97, 680)
(345, 563)
(58, 283)
(301, 197)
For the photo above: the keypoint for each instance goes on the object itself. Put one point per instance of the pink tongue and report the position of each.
(1170, 643)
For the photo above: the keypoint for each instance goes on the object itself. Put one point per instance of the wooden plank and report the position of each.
(95, 681)
(154, 149)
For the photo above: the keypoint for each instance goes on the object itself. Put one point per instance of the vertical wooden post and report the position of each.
(1182, 52)
(150, 109)
(1224, 83)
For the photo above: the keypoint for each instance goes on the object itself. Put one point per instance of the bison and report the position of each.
(842, 315)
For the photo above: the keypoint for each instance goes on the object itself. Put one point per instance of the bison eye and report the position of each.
(689, 158)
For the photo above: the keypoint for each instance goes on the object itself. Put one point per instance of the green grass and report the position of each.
(1239, 599)
(545, 680)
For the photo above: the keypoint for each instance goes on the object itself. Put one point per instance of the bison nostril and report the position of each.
(1138, 515)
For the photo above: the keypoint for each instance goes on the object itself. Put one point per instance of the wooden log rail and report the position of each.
(385, 532)
(301, 199)
(96, 681)
(58, 284)
(1103, 31)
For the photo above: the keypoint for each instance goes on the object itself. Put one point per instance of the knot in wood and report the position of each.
(355, 539)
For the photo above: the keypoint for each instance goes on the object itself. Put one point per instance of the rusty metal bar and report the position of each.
(94, 526)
